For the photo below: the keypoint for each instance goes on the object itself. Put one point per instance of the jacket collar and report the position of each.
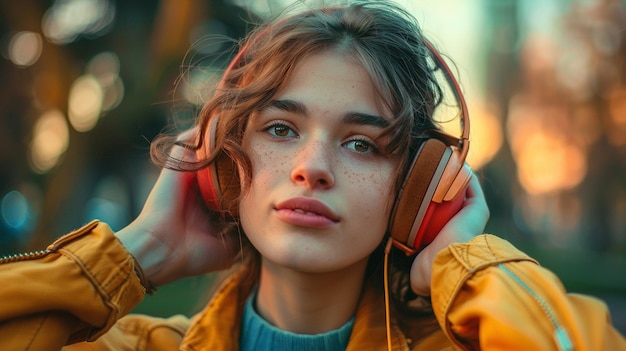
(217, 326)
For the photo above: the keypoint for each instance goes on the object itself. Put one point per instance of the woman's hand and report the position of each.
(173, 236)
(465, 225)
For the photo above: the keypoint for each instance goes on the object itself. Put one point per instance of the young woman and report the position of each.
(301, 156)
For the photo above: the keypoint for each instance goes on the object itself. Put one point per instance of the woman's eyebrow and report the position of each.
(365, 119)
(291, 106)
(351, 117)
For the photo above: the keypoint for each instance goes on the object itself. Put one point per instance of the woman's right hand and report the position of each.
(469, 222)
(173, 236)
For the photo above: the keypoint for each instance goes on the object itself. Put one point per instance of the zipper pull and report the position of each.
(563, 340)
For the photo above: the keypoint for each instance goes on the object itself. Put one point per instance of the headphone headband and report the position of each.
(452, 81)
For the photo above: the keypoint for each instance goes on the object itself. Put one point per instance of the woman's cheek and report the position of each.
(373, 188)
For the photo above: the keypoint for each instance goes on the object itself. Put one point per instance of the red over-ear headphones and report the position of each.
(434, 188)
(432, 192)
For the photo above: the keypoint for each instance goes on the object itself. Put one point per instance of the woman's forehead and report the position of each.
(333, 78)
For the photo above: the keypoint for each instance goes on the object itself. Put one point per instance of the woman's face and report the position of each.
(320, 191)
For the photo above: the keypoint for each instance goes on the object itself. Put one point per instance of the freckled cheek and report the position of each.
(266, 163)
(378, 179)
(372, 186)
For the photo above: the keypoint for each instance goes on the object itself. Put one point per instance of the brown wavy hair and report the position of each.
(381, 36)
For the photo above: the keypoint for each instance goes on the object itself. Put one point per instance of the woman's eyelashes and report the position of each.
(283, 130)
(279, 129)
(362, 145)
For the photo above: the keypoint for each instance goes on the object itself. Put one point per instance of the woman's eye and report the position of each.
(361, 146)
(280, 130)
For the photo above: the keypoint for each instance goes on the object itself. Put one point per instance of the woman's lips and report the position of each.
(306, 212)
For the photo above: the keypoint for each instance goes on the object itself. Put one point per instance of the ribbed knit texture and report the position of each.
(259, 335)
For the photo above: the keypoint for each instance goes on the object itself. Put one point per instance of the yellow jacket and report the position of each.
(486, 295)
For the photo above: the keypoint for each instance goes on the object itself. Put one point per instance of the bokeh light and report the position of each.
(25, 48)
(547, 159)
(109, 202)
(199, 84)
(547, 163)
(14, 209)
(50, 140)
(65, 20)
(85, 103)
(486, 137)
(105, 67)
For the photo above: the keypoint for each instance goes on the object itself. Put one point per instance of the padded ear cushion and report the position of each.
(229, 184)
(219, 181)
(437, 216)
(209, 187)
(418, 188)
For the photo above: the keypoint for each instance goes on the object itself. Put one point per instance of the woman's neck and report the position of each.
(309, 303)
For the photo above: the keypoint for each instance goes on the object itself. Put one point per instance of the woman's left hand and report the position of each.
(469, 222)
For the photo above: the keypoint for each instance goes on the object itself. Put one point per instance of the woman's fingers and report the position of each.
(466, 224)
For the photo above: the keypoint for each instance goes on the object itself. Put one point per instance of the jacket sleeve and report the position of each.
(488, 295)
(74, 290)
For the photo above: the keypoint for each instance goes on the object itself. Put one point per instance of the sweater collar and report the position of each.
(259, 334)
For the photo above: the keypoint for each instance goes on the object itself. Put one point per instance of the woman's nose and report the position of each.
(313, 166)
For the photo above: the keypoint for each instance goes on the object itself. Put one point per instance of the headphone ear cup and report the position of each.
(209, 187)
(219, 181)
(417, 190)
(436, 216)
(433, 192)
(229, 184)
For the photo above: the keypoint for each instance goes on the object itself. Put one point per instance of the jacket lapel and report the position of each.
(217, 326)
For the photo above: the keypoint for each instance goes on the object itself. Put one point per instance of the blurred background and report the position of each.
(86, 84)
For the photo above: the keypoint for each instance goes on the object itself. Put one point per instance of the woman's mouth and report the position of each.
(306, 212)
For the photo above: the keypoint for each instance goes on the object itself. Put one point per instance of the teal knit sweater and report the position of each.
(259, 335)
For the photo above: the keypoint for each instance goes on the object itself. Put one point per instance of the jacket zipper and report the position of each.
(52, 247)
(24, 256)
(561, 337)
